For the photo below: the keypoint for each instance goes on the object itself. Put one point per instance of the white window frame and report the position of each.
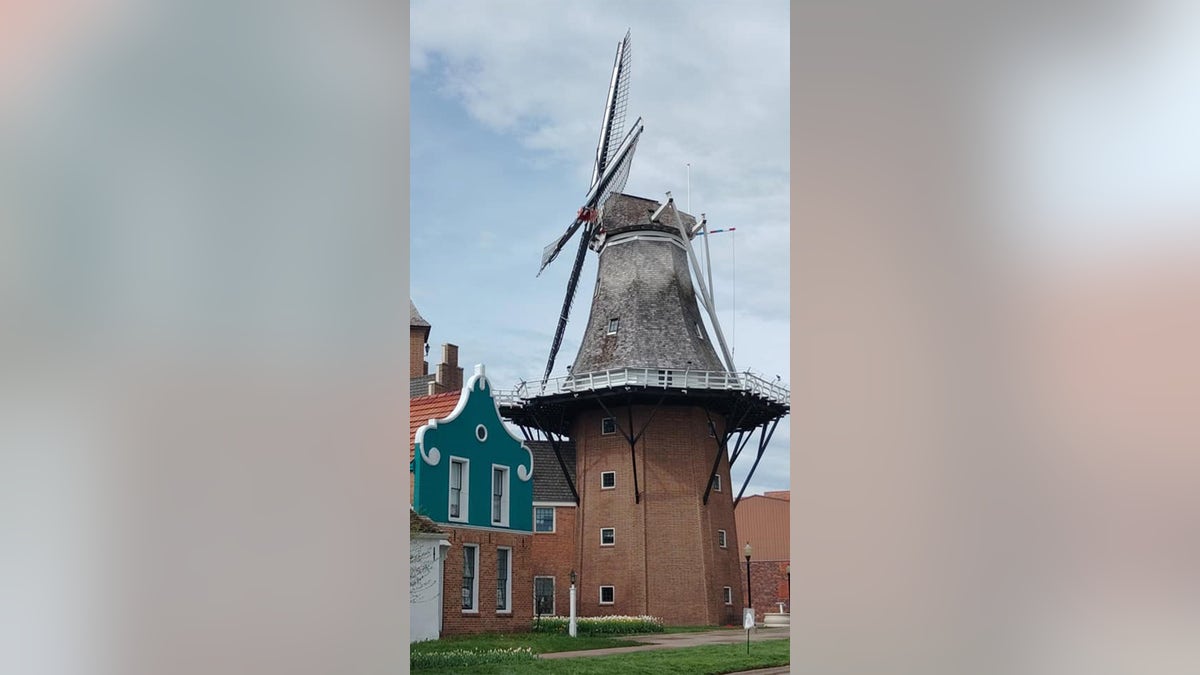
(614, 426)
(722, 539)
(727, 593)
(464, 506)
(608, 487)
(553, 519)
(508, 581)
(505, 497)
(553, 594)
(614, 595)
(474, 581)
(614, 536)
(614, 325)
(717, 482)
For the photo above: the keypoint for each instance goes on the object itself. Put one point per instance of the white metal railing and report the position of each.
(648, 378)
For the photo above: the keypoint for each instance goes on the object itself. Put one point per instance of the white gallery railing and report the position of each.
(648, 378)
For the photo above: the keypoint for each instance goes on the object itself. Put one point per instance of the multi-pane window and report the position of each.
(458, 477)
(543, 595)
(728, 592)
(721, 538)
(608, 536)
(470, 558)
(608, 479)
(499, 495)
(613, 325)
(543, 519)
(503, 580)
(608, 595)
(608, 425)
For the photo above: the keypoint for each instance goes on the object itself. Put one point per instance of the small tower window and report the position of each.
(721, 538)
(717, 482)
(613, 324)
(608, 480)
(608, 426)
(608, 536)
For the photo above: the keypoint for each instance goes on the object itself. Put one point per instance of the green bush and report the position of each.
(601, 625)
(467, 658)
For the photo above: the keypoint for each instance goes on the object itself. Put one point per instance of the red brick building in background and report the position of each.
(763, 521)
(554, 528)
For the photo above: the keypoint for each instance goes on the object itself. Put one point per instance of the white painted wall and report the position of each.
(425, 558)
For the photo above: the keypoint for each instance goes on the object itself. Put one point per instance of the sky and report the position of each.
(506, 100)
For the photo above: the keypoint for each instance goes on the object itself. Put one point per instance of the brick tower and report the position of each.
(651, 410)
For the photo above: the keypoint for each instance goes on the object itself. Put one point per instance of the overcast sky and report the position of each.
(506, 106)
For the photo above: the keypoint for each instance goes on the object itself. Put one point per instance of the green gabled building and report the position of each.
(474, 478)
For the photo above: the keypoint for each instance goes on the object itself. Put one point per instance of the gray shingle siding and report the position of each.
(647, 285)
(419, 386)
(548, 482)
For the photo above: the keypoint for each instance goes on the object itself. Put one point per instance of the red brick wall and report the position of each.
(486, 620)
(769, 582)
(666, 561)
(554, 556)
(416, 351)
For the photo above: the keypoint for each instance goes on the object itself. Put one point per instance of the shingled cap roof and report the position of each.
(644, 285)
(414, 317)
(549, 485)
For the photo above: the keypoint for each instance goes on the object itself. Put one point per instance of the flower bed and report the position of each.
(467, 658)
(601, 625)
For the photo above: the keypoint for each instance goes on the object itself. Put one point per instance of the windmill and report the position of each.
(651, 418)
(609, 173)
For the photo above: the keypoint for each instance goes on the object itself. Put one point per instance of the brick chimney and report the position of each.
(449, 374)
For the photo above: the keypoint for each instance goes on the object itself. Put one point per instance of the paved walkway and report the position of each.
(672, 640)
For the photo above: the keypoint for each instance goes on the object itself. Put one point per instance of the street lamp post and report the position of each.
(571, 629)
(749, 593)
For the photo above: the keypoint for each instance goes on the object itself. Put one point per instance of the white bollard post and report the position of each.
(571, 626)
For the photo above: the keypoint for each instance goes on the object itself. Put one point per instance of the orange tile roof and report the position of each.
(424, 408)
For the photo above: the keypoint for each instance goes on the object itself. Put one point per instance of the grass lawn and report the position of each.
(705, 660)
(540, 643)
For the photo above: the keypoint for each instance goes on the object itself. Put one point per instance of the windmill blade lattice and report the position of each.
(612, 124)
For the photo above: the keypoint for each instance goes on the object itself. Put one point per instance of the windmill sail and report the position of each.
(619, 169)
(609, 173)
(614, 176)
(612, 125)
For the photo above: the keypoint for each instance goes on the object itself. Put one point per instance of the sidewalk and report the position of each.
(673, 640)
